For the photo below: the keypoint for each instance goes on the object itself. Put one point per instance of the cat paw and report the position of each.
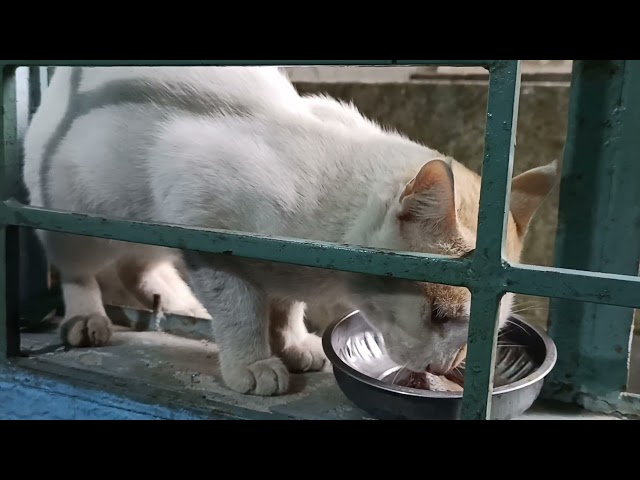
(188, 309)
(197, 312)
(86, 331)
(305, 356)
(265, 378)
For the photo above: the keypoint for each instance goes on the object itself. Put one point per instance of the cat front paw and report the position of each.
(86, 331)
(188, 307)
(195, 311)
(265, 378)
(305, 356)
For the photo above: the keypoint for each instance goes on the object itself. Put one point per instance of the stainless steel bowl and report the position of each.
(365, 373)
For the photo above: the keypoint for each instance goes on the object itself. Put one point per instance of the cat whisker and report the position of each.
(528, 309)
(519, 326)
(524, 304)
(399, 371)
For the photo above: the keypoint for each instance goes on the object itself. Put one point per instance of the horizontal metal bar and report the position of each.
(449, 63)
(593, 287)
(409, 266)
(184, 63)
(524, 279)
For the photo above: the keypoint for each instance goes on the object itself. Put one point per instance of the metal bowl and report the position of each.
(365, 373)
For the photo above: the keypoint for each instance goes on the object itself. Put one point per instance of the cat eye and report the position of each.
(438, 317)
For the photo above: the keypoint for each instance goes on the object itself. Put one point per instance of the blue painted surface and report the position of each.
(25, 396)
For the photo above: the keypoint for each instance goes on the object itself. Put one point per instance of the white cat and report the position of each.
(238, 148)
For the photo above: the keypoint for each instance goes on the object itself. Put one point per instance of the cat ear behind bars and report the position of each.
(528, 191)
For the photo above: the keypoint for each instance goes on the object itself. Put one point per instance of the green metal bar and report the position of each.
(184, 63)
(9, 252)
(524, 279)
(10, 287)
(583, 286)
(502, 113)
(34, 271)
(4, 314)
(410, 266)
(599, 227)
(11, 158)
(497, 168)
(479, 368)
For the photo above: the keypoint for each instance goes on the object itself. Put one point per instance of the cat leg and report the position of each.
(146, 277)
(114, 292)
(321, 316)
(79, 259)
(300, 350)
(240, 329)
(184, 300)
(85, 323)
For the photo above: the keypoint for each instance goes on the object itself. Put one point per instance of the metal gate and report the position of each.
(600, 205)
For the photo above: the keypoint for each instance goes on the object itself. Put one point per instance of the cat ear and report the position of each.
(528, 190)
(430, 197)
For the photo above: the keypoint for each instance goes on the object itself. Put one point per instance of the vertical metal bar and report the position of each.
(479, 368)
(598, 227)
(9, 292)
(9, 255)
(502, 114)
(497, 168)
(34, 271)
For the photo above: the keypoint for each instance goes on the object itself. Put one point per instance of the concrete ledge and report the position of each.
(155, 376)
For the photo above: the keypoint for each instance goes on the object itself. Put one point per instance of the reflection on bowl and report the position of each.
(369, 378)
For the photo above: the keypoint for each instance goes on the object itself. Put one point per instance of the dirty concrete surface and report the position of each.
(164, 370)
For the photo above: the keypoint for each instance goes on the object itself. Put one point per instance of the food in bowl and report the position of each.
(428, 381)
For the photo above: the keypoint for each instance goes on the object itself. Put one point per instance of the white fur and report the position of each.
(305, 167)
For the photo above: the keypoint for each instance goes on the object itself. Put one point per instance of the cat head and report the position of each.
(425, 325)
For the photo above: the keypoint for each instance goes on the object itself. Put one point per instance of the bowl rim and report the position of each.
(551, 356)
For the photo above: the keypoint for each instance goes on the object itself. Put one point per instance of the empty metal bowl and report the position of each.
(367, 376)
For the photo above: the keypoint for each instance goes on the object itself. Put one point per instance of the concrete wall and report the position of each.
(394, 74)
